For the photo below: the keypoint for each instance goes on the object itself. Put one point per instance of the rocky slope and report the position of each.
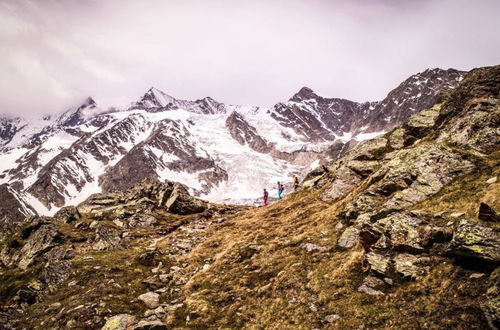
(400, 232)
(221, 152)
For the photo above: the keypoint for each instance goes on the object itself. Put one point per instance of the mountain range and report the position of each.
(400, 232)
(221, 152)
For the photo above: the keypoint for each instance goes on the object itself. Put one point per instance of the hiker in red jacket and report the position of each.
(266, 197)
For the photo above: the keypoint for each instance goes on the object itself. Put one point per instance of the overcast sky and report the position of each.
(54, 53)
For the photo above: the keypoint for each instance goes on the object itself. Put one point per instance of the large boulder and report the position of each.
(378, 263)
(180, 202)
(421, 123)
(470, 118)
(120, 322)
(143, 198)
(398, 231)
(475, 241)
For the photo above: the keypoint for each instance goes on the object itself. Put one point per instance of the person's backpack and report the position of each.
(282, 187)
(266, 194)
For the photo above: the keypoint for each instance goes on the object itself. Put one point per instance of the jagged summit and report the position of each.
(153, 98)
(80, 114)
(305, 93)
(156, 100)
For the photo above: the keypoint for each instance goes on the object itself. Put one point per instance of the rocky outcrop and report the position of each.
(144, 197)
(486, 213)
(475, 241)
(37, 238)
(409, 176)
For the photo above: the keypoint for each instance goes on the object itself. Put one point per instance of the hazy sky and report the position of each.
(54, 53)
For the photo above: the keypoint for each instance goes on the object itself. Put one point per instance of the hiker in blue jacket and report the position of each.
(281, 188)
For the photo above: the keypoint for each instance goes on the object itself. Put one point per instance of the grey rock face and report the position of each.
(412, 175)
(150, 299)
(349, 238)
(475, 241)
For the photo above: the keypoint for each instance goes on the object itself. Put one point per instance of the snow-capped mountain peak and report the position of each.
(154, 98)
(305, 93)
(80, 114)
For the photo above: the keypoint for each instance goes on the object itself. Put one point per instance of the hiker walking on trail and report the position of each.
(281, 188)
(266, 197)
(295, 182)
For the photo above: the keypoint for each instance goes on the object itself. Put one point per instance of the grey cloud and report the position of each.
(55, 52)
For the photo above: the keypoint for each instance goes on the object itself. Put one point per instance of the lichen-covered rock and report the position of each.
(349, 238)
(56, 272)
(397, 138)
(475, 241)
(120, 322)
(39, 237)
(142, 220)
(421, 123)
(369, 150)
(363, 167)
(107, 238)
(378, 263)
(343, 183)
(398, 231)
(410, 266)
